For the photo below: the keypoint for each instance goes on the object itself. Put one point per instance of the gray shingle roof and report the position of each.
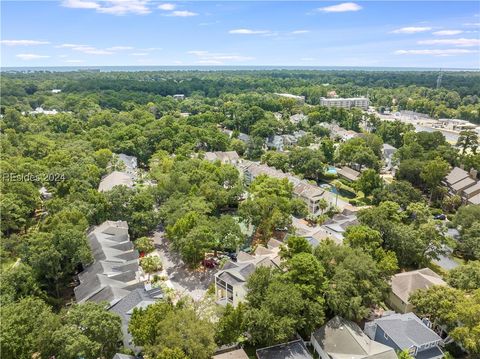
(404, 284)
(342, 338)
(138, 298)
(116, 178)
(112, 275)
(456, 175)
(291, 350)
(406, 330)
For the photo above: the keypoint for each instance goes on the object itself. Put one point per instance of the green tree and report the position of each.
(230, 327)
(466, 277)
(468, 139)
(270, 205)
(183, 329)
(18, 282)
(143, 322)
(355, 281)
(98, 325)
(144, 245)
(26, 328)
(151, 264)
(369, 181)
(295, 245)
(433, 172)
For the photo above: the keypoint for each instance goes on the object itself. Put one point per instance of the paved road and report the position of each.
(181, 278)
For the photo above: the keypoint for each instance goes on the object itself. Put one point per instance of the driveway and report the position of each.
(181, 278)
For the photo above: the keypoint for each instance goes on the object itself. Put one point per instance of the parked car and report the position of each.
(440, 217)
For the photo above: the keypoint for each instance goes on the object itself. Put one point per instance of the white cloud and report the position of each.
(213, 58)
(139, 53)
(454, 42)
(23, 42)
(298, 32)
(119, 48)
(343, 7)
(113, 7)
(249, 32)
(74, 61)
(31, 56)
(307, 59)
(436, 52)
(472, 24)
(411, 30)
(86, 49)
(447, 32)
(80, 4)
(182, 13)
(167, 7)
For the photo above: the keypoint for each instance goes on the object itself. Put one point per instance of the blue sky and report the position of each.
(442, 34)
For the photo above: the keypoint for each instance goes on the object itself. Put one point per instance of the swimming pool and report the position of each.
(331, 170)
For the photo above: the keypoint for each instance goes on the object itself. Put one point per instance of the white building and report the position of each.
(230, 282)
(360, 102)
(299, 99)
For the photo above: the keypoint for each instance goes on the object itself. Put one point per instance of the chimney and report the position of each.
(473, 173)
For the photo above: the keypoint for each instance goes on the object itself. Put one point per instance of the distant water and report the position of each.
(219, 68)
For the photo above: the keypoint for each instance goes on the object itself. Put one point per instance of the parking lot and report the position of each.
(180, 277)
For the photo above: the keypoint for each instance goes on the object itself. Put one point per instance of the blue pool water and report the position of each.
(332, 170)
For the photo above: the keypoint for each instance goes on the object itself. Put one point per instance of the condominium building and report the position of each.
(360, 102)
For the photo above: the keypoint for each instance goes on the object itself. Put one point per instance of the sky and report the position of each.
(434, 34)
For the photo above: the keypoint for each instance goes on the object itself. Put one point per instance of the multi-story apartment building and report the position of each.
(360, 102)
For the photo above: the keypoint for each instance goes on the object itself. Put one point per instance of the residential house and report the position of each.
(125, 177)
(387, 152)
(464, 184)
(55, 91)
(472, 194)
(337, 132)
(124, 356)
(116, 178)
(340, 338)
(292, 350)
(42, 111)
(244, 138)
(44, 193)
(311, 194)
(336, 226)
(404, 284)
(406, 332)
(234, 354)
(229, 157)
(115, 268)
(180, 96)
(313, 234)
(299, 99)
(230, 281)
(139, 298)
(114, 276)
(276, 142)
(297, 118)
(348, 173)
(130, 163)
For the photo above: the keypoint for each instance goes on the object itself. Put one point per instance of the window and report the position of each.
(385, 335)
